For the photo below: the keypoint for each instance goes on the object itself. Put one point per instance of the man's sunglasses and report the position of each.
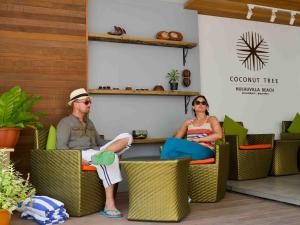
(200, 103)
(87, 102)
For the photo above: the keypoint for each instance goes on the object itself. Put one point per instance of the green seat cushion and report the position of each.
(295, 125)
(51, 141)
(233, 128)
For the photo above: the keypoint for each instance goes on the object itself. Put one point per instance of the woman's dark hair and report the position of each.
(195, 99)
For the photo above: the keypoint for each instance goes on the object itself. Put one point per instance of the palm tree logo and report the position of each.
(252, 51)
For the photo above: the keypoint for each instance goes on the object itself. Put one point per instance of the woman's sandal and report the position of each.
(103, 158)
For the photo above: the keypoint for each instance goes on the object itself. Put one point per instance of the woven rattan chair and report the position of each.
(207, 182)
(58, 174)
(285, 157)
(250, 164)
(285, 135)
(157, 189)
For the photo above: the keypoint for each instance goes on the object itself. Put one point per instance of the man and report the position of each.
(77, 131)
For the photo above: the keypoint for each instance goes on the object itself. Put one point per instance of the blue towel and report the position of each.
(42, 203)
(39, 219)
(59, 211)
(53, 215)
(44, 210)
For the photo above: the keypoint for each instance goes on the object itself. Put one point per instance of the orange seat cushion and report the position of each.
(87, 167)
(203, 161)
(255, 147)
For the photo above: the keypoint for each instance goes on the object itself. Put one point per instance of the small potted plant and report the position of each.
(173, 77)
(13, 189)
(15, 106)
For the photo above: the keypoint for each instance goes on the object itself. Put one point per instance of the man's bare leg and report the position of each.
(118, 145)
(110, 200)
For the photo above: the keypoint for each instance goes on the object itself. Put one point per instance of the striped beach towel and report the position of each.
(44, 210)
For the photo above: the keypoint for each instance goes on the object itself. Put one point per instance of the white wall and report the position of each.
(139, 66)
(218, 61)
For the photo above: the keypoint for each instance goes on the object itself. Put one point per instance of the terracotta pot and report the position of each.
(9, 137)
(4, 217)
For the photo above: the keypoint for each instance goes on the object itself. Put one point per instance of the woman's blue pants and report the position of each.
(175, 148)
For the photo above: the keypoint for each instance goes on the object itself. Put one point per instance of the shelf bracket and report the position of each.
(187, 100)
(184, 55)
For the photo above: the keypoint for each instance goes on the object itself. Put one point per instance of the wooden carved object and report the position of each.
(186, 78)
(172, 35)
(163, 35)
(175, 36)
(117, 31)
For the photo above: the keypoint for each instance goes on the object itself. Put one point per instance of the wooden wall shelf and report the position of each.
(141, 40)
(140, 92)
(149, 140)
(186, 94)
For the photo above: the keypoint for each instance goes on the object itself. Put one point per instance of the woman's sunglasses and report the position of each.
(200, 103)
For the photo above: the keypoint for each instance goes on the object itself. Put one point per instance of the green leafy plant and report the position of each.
(15, 106)
(173, 76)
(13, 188)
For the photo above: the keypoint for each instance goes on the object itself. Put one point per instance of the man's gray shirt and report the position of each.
(71, 134)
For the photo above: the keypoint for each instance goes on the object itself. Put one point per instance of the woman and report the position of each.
(200, 132)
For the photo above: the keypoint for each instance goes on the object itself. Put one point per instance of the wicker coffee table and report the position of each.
(157, 189)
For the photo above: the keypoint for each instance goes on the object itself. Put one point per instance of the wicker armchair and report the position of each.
(207, 182)
(250, 164)
(285, 135)
(58, 174)
(285, 157)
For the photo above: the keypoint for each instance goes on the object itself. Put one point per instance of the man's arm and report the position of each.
(62, 135)
(99, 140)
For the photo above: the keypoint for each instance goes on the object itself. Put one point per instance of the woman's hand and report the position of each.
(181, 132)
(197, 140)
(189, 122)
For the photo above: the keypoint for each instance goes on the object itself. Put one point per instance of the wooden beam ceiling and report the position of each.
(238, 9)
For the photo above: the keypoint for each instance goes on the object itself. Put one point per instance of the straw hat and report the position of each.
(78, 94)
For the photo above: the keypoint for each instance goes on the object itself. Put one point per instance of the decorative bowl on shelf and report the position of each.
(175, 36)
(158, 87)
(162, 35)
(104, 87)
(139, 134)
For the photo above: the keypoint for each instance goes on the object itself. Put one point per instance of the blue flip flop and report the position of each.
(106, 213)
(103, 158)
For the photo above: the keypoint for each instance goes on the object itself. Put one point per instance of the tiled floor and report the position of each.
(281, 188)
(234, 209)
